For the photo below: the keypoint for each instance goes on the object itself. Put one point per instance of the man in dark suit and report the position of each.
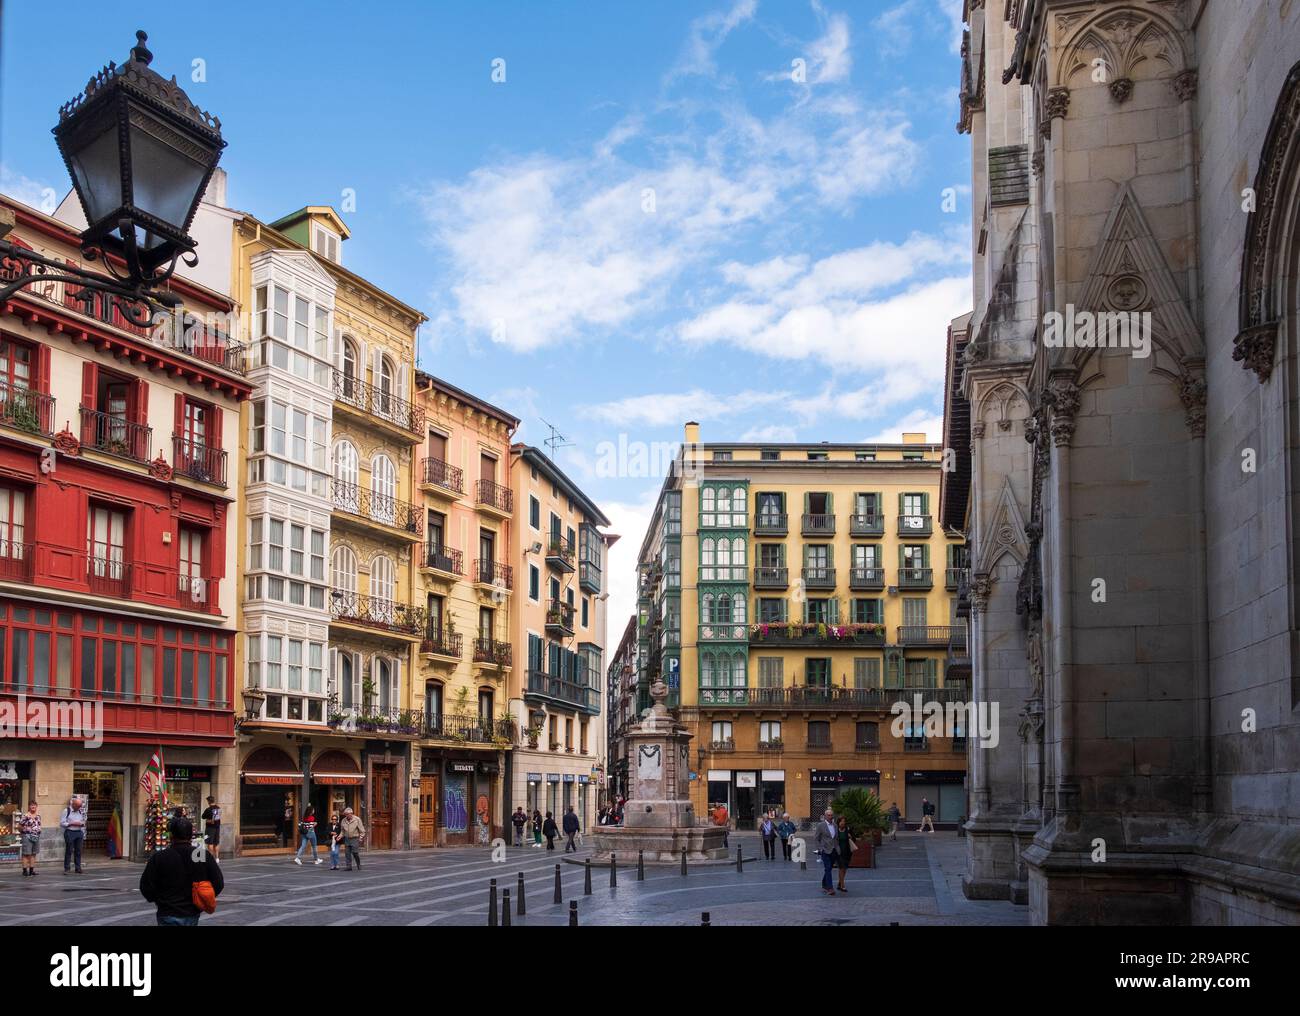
(826, 843)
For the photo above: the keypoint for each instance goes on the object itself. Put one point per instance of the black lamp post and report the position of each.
(140, 155)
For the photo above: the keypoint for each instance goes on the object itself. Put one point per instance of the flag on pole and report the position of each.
(153, 779)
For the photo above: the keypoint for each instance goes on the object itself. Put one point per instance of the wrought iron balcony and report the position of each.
(372, 612)
(364, 503)
(924, 635)
(366, 398)
(196, 461)
(559, 617)
(441, 558)
(818, 525)
(372, 718)
(437, 473)
(493, 573)
(866, 745)
(819, 578)
(24, 409)
(469, 728)
(566, 693)
(495, 496)
(915, 525)
(866, 578)
(771, 578)
(867, 525)
(817, 745)
(17, 561)
(560, 553)
(771, 524)
(804, 633)
(774, 745)
(722, 747)
(915, 578)
(441, 642)
(827, 698)
(952, 577)
(115, 435)
(491, 651)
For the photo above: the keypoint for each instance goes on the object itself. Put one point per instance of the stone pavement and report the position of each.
(917, 881)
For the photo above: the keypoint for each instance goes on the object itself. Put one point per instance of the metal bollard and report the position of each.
(683, 860)
(520, 894)
(893, 924)
(586, 876)
(704, 919)
(740, 861)
(558, 897)
(640, 865)
(613, 873)
(573, 913)
(492, 903)
(505, 908)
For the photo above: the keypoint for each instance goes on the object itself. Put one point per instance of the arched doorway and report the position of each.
(270, 791)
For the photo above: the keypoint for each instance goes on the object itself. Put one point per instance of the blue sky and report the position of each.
(649, 220)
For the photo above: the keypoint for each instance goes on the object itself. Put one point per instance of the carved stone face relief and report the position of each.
(1128, 292)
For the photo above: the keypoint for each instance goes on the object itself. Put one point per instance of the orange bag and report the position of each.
(204, 896)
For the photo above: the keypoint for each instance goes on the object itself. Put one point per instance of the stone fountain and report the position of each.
(659, 818)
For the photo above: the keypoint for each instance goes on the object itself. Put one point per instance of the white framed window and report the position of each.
(383, 489)
(343, 569)
(325, 242)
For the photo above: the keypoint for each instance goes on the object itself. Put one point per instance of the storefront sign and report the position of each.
(188, 774)
(745, 780)
(273, 779)
(838, 777)
(8, 770)
(692, 775)
(720, 775)
(415, 785)
(534, 777)
(936, 776)
(773, 775)
(584, 779)
(460, 767)
(552, 778)
(569, 778)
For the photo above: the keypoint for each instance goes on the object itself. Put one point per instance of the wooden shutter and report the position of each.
(925, 504)
(901, 508)
(213, 437)
(830, 503)
(179, 428)
(833, 610)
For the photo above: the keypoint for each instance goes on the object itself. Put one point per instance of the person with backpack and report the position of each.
(307, 830)
(73, 823)
(180, 887)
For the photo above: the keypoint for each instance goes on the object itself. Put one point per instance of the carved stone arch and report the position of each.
(995, 406)
(1271, 237)
(1126, 38)
(1004, 536)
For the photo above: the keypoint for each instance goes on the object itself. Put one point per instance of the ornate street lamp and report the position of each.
(140, 155)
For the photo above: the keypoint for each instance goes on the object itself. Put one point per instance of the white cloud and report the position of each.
(831, 59)
(918, 421)
(892, 30)
(952, 9)
(774, 432)
(630, 520)
(33, 193)
(666, 408)
(706, 35)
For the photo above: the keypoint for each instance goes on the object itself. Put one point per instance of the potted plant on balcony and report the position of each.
(533, 733)
(862, 810)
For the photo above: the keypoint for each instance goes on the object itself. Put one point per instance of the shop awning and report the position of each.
(270, 766)
(336, 769)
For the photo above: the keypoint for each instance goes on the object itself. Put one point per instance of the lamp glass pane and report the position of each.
(98, 176)
(165, 181)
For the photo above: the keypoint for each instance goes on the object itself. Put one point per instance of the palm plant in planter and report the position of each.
(862, 810)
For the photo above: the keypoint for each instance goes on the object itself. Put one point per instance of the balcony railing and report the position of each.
(442, 558)
(915, 525)
(817, 745)
(440, 474)
(917, 744)
(818, 577)
(866, 745)
(771, 524)
(493, 573)
(438, 641)
(924, 635)
(831, 698)
(106, 573)
(560, 552)
(866, 578)
(952, 577)
(724, 747)
(771, 578)
(196, 461)
(491, 651)
(866, 525)
(372, 612)
(774, 745)
(559, 615)
(818, 525)
(469, 728)
(915, 578)
(494, 495)
(804, 633)
(115, 435)
(372, 718)
(571, 693)
(367, 504)
(25, 409)
(366, 398)
(17, 561)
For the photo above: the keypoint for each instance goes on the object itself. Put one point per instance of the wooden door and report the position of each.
(428, 811)
(381, 808)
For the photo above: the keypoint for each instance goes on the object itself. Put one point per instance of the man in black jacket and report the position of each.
(571, 827)
(170, 874)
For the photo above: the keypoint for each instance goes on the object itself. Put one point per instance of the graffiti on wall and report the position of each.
(455, 813)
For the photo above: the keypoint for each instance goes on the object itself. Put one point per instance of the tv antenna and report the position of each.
(557, 440)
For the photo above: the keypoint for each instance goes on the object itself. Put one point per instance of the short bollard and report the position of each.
(683, 860)
(586, 876)
(613, 873)
(505, 908)
(492, 903)
(520, 894)
(640, 865)
(740, 861)
(704, 919)
(893, 924)
(558, 897)
(573, 913)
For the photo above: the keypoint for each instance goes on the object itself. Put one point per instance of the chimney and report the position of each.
(692, 433)
(913, 438)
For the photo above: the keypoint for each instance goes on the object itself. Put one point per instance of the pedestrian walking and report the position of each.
(719, 816)
(212, 829)
(785, 829)
(175, 883)
(519, 820)
(767, 828)
(73, 824)
(335, 833)
(354, 834)
(927, 814)
(571, 827)
(550, 831)
(895, 820)
(845, 847)
(29, 830)
(826, 842)
(307, 834)
(537, 828)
